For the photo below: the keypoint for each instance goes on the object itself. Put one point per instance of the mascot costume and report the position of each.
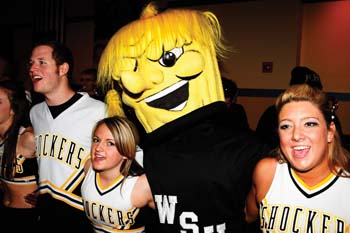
(197, 162)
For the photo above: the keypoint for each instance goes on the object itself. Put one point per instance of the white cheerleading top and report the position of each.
(292, 206)
(109, 208)
(63, 146)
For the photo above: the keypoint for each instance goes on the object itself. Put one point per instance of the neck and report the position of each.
(59, 98)
(108, 177)
(316, 175)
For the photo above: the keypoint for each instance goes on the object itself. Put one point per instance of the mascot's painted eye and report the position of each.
(169, 58)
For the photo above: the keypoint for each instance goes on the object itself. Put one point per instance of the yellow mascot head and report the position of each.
(165, 65)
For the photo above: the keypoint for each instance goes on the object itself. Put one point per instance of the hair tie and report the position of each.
(334, 106)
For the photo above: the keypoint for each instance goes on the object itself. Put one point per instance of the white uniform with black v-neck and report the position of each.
(109, 208)
(63, 145)
(292, 206)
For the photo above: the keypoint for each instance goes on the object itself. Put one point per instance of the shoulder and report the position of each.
(27, 134)
(26, 142)
(26, 130)
(264, 164)
(94, 103)
(252, 146)
(239, 107)
(263, 175)
(90, 107)
(92, 100)
(142, 182)
(37, 106)
(38, 111)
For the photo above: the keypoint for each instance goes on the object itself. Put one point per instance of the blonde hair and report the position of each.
(337, 155)
(126, 138)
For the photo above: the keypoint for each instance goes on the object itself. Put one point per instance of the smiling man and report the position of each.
(62, 126)
(198, 166)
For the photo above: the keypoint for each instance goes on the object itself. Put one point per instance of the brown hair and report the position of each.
(20, 106)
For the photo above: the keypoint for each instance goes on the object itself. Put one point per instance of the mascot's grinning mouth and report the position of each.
(173, 98)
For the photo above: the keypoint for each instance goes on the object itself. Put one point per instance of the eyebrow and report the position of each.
(304, 118)
(39, 58)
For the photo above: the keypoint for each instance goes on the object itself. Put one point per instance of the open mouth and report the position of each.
(173, 98)
(36, 78)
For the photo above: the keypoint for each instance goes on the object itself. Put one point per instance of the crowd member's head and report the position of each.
(306, 122)
(7, 68)
(303, 74)
(50, 69)
(118, 137)
(14, 110)
(88, 79)
(15, 100)
(88, 83)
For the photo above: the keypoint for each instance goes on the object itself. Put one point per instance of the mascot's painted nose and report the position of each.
(136, 83)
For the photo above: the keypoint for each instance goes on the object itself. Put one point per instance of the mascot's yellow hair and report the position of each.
(114, 103)
(154, 33)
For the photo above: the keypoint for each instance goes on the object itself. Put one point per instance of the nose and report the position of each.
(155, 78)
(98, 147)
(297, 134)
(137, 83)
(32, 67)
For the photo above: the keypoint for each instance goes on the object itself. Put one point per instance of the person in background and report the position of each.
(7, 68)
(87, 83)
(62, 125)
(115, 188)
(306, 187)
(18, 165)
(237, 112)
(267, 125)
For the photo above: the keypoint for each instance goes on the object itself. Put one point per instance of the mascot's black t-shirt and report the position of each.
(199, 168)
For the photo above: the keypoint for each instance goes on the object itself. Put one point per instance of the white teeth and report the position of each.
(166, 91)
(179, 107)
(300, 147)
(37, 77)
